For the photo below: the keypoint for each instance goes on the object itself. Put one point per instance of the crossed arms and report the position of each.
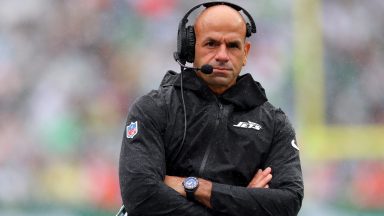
(204, 191)
(147, 190)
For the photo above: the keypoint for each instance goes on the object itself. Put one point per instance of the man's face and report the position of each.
(220, 42)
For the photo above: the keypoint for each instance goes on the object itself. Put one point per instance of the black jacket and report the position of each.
(229, 137)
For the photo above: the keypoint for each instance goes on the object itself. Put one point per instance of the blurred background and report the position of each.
(70, 69)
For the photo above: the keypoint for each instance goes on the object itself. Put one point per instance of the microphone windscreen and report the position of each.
(207, 69)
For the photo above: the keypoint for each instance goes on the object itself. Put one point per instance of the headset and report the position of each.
(186, 34)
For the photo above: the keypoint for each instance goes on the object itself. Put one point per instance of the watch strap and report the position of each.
(190, 195)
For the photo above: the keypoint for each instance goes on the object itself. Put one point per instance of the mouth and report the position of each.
(221, 70)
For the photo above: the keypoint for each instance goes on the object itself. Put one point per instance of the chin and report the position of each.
(220, 81)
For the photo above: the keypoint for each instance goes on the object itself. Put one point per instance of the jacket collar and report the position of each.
(245, 94)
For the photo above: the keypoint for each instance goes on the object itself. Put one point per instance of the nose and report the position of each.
(222, 54)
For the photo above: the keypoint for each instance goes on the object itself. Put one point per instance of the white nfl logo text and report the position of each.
(248, 124)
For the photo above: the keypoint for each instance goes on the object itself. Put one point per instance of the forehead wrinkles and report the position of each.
(220, 18)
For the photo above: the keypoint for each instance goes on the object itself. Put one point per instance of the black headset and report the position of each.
(186, 34)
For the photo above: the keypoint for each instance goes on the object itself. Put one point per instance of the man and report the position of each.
(238, 156)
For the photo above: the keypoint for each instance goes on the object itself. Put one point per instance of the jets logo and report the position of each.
(248, 124)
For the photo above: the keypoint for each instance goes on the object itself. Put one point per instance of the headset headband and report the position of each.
(214, 3)
(186, 34)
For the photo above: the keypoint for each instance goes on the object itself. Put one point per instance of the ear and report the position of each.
(247, 47)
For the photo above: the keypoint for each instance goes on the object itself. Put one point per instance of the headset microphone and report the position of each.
(206, 69)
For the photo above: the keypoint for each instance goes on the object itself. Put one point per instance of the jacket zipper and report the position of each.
(207, 152)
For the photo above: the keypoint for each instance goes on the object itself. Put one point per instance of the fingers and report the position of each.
(261, 175)
(261, 179)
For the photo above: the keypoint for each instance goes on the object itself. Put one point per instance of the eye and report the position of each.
(211, 43)
(233, 45)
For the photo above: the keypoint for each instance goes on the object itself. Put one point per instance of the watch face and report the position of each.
(191, 183)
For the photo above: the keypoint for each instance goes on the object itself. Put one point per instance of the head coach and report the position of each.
(208, 142)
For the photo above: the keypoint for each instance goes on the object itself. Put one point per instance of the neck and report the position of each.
(217, 90)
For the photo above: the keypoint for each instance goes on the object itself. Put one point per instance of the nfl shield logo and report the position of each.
(132, 129)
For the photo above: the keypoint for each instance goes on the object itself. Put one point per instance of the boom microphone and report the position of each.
(206, 69)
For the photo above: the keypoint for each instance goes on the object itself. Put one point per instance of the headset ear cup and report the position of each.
(181, 42)
(190, 44)
(248, 30)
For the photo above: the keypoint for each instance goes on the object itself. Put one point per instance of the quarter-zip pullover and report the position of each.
(229, 137)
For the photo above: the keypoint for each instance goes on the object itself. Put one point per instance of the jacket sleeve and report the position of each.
(285, 193)
(142, 166)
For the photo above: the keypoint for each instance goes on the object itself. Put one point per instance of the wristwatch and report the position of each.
(190, 186)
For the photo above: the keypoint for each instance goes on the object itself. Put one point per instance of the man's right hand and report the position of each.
(261, 179)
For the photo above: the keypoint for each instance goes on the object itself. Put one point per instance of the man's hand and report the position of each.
(175, 183)
(261, 179)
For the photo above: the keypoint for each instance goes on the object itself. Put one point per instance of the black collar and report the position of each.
(245, 94)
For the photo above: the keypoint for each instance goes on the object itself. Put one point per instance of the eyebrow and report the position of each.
(236, 41)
